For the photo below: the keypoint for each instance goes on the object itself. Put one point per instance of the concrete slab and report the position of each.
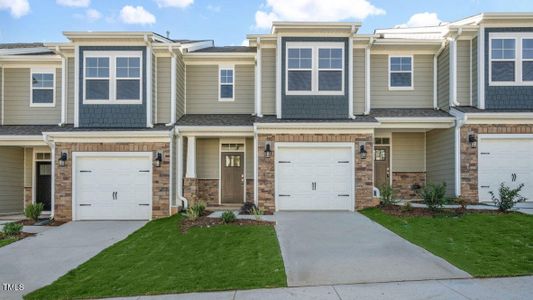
(194, 296)
(415, 290)
(39, 260)
(314, 292)
(321, 248)
(36, 229)
(493, 288)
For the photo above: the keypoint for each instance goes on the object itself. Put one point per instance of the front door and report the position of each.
(381, 166)
(44, 184)
(232, 180)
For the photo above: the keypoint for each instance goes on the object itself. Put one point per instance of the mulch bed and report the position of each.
(19, 236)
(400, 211)
(29, 222)
(206, 222)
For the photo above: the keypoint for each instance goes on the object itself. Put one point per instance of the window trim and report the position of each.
(315, 47)
(518, 60)
(43, 70)
(220, 69)
(112, 56)
(401, 88)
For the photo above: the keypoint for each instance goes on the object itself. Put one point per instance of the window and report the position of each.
(381, 141)
(380, 155)
(42, 88)
(314, 68)
(226, 83)
(113, 77)
(527, 59)
(233, 160)
(400, 72)
(503, 59)
(510, 58)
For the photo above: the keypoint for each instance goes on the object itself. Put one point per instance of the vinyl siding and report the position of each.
(420, 97)
(474, 72)
(440, 159)
(268, 81)
(408, 152)
(359, 81)
(1, 95)
(17, 100)
(11, 179)
(207, 158)
(163, 90)
(202, 90)
(249, 158)
(443, 79)
(70, 90)
(180, 86)
(463, 72)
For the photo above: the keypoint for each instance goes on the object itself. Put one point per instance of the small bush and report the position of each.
(508, 197)
(386, 194)
(33, 211)
(247, 207)
(199, 207)
(407, 206)
(461, 201)
(228, 216)
(433, 195)
(192, 213)
(257, 212)
(12, 228)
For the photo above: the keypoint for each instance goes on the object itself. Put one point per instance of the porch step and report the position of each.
(224, 207)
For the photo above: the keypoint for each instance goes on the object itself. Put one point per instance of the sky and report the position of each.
(225, 21)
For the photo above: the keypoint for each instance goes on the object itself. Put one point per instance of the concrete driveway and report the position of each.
(321, 248)
(39, 260)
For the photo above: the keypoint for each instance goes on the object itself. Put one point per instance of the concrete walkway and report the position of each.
(516, 288)
(321, 248)
(39, 260)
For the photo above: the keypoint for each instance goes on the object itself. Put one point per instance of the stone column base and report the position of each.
(190, 190)
(28, 191)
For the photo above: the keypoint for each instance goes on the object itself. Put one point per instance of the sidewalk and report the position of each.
(486, 289)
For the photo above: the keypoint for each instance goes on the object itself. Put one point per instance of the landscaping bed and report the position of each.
(8, 239)
(206, 222)
(44, 222)
(402, 211)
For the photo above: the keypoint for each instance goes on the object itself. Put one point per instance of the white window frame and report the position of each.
(220, 84)
(314, 46)
(53, 88)
(112, 56)
(518, 37)
(412, 71)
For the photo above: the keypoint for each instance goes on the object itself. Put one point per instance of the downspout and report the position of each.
(258, 79)
(460, 120)
(453, 68)
(350, 74)
(52, 146)
(63, 87)
(173, 63)
(367, 76)
(149, 67)
(184, 201)
(256, 167)
(171, 175)
(435, 75)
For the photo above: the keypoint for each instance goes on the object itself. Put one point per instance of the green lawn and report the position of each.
(481, 244)
(7, 241)
(158, 259)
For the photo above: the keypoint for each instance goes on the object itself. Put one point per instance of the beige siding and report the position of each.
(163, 90)
(1, 78)
(11, 180)
(420, 97)
(408, 152)
(202, 90)
(28, 167)
(440, 158)
(249, 158)
(180, 86)
(474, 72)
(443, 79)
(268, 82)
(463, 72)
(207, 158)
(70, 90)
(17, 100)
(359, 81)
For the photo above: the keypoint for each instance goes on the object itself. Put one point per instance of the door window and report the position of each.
(233, 160)
(45, 170)
(380, 154)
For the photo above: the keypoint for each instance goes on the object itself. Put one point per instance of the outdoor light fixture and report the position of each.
(268, 151)
(362, 151)
(472, 140)
(63, 158)
(158, 159)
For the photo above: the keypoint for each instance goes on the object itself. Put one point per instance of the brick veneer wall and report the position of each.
(208, 191)
(63, 175)
(190, 190)
(28, 199)
(249, 190)
(363, 168)
(402, 183)
(469, 155)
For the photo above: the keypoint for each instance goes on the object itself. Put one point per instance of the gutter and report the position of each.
(179, 189)
(173, 64)
(63, 86)
(460, 120)
(367, 75)
(149, 66)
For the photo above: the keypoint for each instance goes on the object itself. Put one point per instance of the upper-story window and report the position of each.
(226, 83)
(112, 77)
(511, 59)
(401, 72)
(42, 88)
(315, 69)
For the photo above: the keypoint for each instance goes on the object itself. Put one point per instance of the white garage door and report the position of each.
(508, 160)
(113, 186)
(314, 177)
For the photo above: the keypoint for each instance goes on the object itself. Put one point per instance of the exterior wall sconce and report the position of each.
(63, 158)
(268, 150)
(158, 159)
(472, 140)
(362, 150)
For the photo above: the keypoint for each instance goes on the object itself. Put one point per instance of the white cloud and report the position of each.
(17, 8)
(421, 19)
(314, 10)
(174, 3)
(92, 14)
(136, 15)
(245, 43)
(214, 8)
(74, 3)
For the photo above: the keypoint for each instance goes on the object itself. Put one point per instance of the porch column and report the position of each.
(191, 157)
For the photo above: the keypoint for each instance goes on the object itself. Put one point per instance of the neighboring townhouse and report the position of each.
(313, 116)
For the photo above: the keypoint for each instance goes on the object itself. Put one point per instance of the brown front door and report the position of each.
(381, 166)
(232, 179)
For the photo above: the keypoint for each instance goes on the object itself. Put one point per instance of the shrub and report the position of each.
(434, 195)
(462, 202)
(12, 228)
(508, 197)
(192, 213)
(257, 212)
(228, 216)
(407, 206)
(33, 211)
(196, 210)
(386, 194)
(247, 208)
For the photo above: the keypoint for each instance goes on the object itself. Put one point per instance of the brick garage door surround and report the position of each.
(469, 155)
(63, 175)
(363, 167)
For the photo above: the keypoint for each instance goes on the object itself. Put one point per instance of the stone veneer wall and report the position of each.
(363, 168)
(249, 190)
(208, 191)
(28, 196)
(63, 175)
(402, 183)
(469, 155)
